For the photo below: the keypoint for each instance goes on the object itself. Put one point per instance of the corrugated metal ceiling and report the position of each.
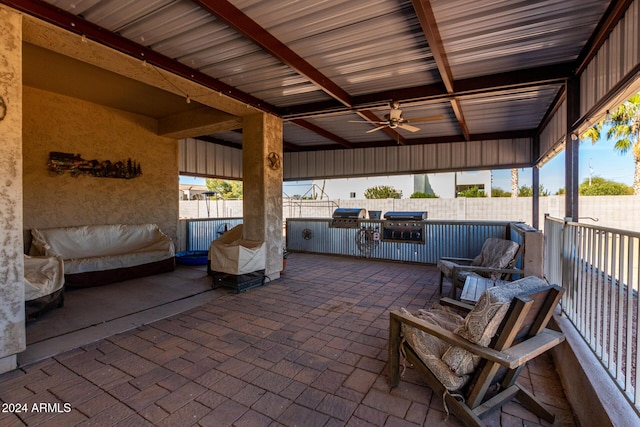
(374, 51)
(483, 38)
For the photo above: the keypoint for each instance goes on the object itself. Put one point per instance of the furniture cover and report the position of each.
(231, 254)
(43, 285)
(99, 254)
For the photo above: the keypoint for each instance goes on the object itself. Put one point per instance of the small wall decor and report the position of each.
(274, 160)
(59, 163)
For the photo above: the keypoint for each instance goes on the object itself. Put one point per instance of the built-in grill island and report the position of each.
(404, 237)
(347, 217)
(404, 227)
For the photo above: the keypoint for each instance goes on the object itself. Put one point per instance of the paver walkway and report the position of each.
(307, 350)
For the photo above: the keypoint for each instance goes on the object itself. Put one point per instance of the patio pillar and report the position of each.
(12, 330)
(535, 207)
(571, 150)
(262, 188)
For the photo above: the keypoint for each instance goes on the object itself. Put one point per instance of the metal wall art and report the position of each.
(59, 163)
(274, 160)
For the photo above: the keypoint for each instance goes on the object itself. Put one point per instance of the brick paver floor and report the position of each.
(307, 350)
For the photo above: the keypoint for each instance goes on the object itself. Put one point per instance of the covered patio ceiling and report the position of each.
(471, 70)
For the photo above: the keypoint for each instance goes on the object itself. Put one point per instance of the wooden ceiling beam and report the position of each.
(518, 134)
(432, 34)
(233, 16)
(549, 75)
(76, 24)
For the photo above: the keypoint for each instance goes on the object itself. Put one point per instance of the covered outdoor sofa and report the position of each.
(43, 285)
(100, 254)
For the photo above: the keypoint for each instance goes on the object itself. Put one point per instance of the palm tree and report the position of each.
(592, 134)
(514, 182)
(625, 128)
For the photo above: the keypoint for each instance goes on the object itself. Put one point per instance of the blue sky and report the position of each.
(605, 162)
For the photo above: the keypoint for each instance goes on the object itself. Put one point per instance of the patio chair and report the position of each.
(497, 259)
(464, 359)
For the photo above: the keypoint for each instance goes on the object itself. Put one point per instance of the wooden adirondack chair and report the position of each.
(497, 259)
(457, 362)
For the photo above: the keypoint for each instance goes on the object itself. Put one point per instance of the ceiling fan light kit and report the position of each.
(394, 120)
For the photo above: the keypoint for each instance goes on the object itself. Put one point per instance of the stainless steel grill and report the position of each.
(347, 217)
(404, 227)
(405, 216)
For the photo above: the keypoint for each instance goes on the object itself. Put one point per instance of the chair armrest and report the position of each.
(476, 268)
(458, 305)
(511, 358)
(521, 353)
(462, 261)
(448, 336)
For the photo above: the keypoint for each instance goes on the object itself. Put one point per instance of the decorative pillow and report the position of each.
(497, 253)
(430, 349)
(460, 361)
(482, 323)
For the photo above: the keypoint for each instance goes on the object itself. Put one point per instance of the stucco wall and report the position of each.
(12, 333)
(54, 122)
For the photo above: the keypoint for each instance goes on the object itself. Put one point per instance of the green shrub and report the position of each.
(499, 192)
(382, 192)
(526, 191)
(421, 195)
(603, 187)
(472, 192)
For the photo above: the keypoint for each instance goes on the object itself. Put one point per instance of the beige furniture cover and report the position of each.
(42, 276)
(232, 254)
(103, 247)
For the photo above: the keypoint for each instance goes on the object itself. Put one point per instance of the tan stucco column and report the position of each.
(12, 330)
(262, 186)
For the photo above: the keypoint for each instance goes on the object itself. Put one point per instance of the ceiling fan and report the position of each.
(394, 120)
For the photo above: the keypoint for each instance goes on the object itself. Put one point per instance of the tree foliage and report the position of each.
(625, 131)
(603, 187)
(382, 192)
(225, 189)
(421, 195)
(499, 192)
(527, 191)
(472, 192)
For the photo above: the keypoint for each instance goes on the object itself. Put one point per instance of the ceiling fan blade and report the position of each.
(378, 128)
(424, 119)
(362, 121)
(408, 127)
